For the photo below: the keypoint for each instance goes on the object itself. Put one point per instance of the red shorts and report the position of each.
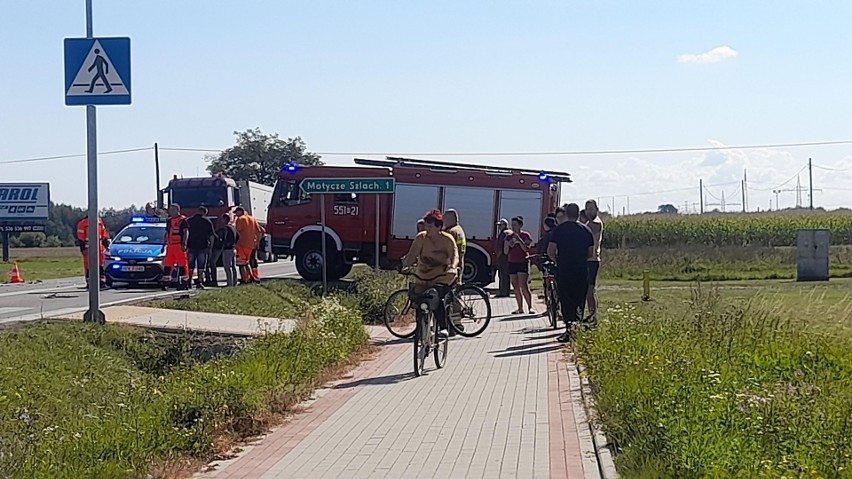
(175, 256)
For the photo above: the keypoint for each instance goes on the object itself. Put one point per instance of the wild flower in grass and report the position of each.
(24, 417)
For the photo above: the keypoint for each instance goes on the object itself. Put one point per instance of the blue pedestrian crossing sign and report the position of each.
(97, 71)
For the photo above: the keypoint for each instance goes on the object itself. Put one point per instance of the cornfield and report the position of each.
(748, 229)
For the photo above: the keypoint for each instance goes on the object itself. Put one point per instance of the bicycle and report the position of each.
(551, 296)
(426, 337)
(468, 316)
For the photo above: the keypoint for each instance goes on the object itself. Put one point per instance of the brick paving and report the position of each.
(501, 407)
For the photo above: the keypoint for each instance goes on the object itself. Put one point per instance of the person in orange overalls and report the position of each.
(177, 235)
(250, 234)
(83, 243)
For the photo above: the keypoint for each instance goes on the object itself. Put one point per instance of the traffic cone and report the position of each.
(16, 274)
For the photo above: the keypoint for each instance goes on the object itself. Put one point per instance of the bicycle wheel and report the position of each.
(441, 345)
(400, 317)
(553, 308)
(421, 344)
(471, 310)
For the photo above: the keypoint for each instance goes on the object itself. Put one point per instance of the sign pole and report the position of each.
(94, 314)
(5, 247)
(324, 263)
(378, 227)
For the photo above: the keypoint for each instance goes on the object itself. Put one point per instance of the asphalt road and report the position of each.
(28, 302)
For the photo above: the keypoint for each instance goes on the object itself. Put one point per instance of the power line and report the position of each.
(832, 169)
(782, 184)
(550, 153)
(62, 157)
(598, 152)
(199, 150)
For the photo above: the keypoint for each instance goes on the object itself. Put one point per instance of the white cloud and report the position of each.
(713, 56)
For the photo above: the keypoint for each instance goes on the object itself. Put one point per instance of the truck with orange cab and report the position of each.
(481, 195)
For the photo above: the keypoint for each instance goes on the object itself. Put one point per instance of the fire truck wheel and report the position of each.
(309, 262)
(475, 268)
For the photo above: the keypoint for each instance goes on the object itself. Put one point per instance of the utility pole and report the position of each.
(745, 190)
(776, 199)
(743, 187)
(811, 182)
(628, 205)
(701, 194)
(157, 167)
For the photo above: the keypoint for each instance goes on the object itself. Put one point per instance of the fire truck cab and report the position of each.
(481, 195)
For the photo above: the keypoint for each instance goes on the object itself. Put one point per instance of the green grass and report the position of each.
(39, 264)
(365, 290)
(271, 299)
(78, 400)
(742, 379)
(707, 263)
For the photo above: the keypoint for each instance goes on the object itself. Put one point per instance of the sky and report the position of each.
(393, 78)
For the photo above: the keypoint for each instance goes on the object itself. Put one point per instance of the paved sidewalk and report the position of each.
(502, 407)
(193, 321)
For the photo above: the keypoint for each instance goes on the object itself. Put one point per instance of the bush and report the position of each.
(52, 241)
(28, 240)
(78, 400)
(372, 289)
(710, 389)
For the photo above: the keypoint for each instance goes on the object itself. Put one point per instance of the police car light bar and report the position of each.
(145, 219)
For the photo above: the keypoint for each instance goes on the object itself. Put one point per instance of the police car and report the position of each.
(136, 253)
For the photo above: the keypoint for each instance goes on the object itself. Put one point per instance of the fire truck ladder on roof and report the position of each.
(391, 162)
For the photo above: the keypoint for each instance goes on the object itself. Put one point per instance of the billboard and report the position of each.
(22, 203)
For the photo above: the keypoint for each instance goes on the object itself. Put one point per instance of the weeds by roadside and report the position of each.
(710, 388)
(78, 400)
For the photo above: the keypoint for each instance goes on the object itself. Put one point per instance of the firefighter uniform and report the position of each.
(176, 227)
(83, 243)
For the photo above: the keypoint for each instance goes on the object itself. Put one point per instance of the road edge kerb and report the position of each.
(602, 445)
(585, 430)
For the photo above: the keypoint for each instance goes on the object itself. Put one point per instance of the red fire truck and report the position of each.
(481, 194)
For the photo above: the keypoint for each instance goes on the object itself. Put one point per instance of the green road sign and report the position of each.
(347, 185)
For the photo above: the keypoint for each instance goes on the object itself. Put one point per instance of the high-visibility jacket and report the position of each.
(83, 231)
(174, 230)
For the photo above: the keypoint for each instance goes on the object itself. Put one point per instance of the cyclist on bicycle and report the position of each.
(435, 258)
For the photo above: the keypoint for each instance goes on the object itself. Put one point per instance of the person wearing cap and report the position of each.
(501, 262)
(435, 259)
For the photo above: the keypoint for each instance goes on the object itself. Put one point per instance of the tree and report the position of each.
(667, 209)
(259, 157)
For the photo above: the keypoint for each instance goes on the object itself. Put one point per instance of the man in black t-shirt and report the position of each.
(201, 234)
(571, 246)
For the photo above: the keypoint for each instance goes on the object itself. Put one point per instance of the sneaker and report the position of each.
(532, 311)
(443, 334)
(564, 337)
